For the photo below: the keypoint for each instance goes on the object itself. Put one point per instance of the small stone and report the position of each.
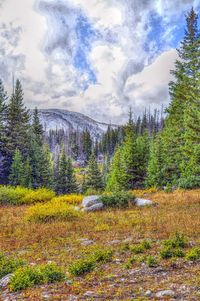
(87, 242)
(73, 298)
(142, 202)
(165, 293)
(89, 294)
(148, 293)
(5, 280)
(96, 207)
(114, 242)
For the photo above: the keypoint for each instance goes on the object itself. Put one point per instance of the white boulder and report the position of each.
(142, 202)
(95, 207)
(90, 200)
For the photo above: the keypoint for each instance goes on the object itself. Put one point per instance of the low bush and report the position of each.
(12, 195)
(151, 261)
(9, 265)
(26, 277)
(118, 199)
(81, 267)
(71, 199)
(51, 211)
(193, 254)
(102, 256)
(170, 252)
(41, 195)
(86, 265)
(178, 241)
(141, 248)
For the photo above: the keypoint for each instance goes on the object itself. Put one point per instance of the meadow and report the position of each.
(114, 254)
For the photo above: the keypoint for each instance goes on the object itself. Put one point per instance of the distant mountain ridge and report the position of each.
(53, 119)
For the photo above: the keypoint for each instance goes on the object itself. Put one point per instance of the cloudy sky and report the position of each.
(97, 57)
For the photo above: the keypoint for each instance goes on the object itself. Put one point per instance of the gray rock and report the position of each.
(96, 207)
(5, 280)
(90, 200)
(142, 202)
(148, 293)
(87, 242)
(114, 242)
(73, 298)
(165, 293)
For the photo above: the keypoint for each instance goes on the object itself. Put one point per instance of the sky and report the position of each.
(97, 57)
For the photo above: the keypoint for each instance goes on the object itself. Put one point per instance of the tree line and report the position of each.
(151, 151)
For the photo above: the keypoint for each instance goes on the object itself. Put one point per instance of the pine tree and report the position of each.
(94, 178)
(17, 125)
(37, 127)
(61, 183)
(181, 89)
(117, 178)
(46, 168)
(27, 182)
(3, 108)
(155, 172)
(71, 184)
(87, 144)
(16, 176)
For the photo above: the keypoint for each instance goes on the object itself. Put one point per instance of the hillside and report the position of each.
(136, 271)
(53, 119)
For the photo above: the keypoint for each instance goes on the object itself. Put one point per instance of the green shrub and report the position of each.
(81, 267)
(41, 195)
(141, 248)
(9, 265)
(193, 254)
(151, 261)
(53, 210)
(26, 277)
(12, 195)
(117, 199)
(178, 241)
(86, 265)
(130, 262)
(169, 252)
(102, 256)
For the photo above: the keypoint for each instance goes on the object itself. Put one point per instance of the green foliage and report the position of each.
(16, 176)
(102, 256)
(94, 178)
(193, 254)
(81, 267)
(178, 241)
(118, 199)
(53, 210)
(141, 248)
(40, 195)
(151, 261)
(12, 195)
(86, 265)
(169, 252)
(9, 265)
(30, 276)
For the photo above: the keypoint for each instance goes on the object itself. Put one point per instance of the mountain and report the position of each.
(53, 119)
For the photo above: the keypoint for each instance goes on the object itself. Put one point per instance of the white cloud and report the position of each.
(43, 41)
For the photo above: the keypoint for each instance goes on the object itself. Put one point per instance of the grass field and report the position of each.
(132, 270)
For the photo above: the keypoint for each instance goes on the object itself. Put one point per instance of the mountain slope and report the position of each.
(53, 119)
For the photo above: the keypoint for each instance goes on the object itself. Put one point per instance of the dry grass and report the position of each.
(61, 242)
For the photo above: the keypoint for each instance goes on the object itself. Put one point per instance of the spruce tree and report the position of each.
(94, 178)
(61, 183)
(117, 178)
(37, 127)
(27, 174)
(181, 89)
(71, 185)
(16, 176)
(17, 125)
(3, 138)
